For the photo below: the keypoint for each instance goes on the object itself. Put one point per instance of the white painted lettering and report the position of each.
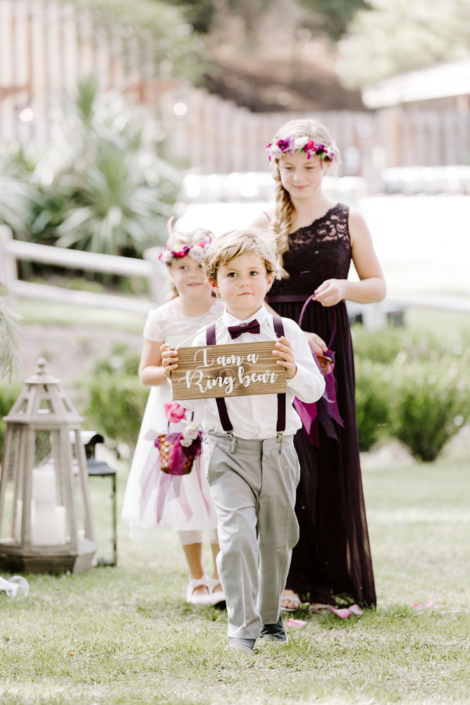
(205, 363)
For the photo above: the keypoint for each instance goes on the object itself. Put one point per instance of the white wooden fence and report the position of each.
(46, 46)
(149, 268)
(373, 315)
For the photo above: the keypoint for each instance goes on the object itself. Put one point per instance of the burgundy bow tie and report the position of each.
(251, 327)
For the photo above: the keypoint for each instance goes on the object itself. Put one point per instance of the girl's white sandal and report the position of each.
(217, 596)
(291, 598)
(198, 599)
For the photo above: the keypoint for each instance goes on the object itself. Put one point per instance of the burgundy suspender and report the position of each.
(281, 398)
(220, 401)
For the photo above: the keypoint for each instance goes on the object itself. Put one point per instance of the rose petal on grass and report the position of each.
(342, 613)
(356, 610)
(417, 606)
(428, 604)
(296, 622)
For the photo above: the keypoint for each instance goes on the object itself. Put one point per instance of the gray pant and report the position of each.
(253, 490)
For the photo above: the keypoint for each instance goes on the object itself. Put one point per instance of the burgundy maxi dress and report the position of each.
(332, 561)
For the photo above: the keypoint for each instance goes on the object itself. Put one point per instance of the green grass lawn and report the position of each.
(124, 635)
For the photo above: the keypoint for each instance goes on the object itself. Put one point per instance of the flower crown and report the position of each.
(326, 151)
(196, 251)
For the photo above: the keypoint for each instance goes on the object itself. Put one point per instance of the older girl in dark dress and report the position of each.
(318, 238)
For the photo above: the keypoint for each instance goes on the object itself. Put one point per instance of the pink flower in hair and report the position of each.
(284, 145)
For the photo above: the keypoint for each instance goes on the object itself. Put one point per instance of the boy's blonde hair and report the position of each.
(177, 241)
(304, 127)
(235, 243)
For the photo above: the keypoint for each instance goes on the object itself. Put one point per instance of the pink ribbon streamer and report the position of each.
(163, 490)
(150, 473)
(178, 492)
(169, 229)
(325, 411)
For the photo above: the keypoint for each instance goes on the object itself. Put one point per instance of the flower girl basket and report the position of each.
(178, 451)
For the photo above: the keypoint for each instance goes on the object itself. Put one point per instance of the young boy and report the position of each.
(251, 464)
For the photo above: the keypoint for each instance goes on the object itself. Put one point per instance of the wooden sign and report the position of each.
(237, 370)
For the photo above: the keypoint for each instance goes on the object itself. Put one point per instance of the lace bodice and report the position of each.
(165, 324)
(317, 252)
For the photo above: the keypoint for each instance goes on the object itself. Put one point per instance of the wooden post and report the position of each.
(21, 73)
(8, 268)
(7, 105)
(39, 78)
(70, 46)
(159, 279)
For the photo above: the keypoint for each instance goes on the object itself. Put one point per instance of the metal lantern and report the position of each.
(100, 469)
(45, 517)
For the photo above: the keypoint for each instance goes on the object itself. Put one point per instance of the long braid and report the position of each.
(282, 217)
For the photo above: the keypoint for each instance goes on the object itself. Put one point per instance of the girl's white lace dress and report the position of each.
(153, 498)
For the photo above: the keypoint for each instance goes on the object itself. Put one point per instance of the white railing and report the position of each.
(149, 268)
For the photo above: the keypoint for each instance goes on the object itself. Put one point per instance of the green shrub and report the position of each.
(116, 407)
(377, 346)
(373, 402)
(117, 398)
(432, 403)
(122, 361)
(390, 344)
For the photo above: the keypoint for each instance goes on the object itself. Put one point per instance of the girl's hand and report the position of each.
(318, 344)
(286, 357)
(169, 359)
(331, 292)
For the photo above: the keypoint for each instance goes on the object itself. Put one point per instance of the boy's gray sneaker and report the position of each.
(274, 632)
(244, 646)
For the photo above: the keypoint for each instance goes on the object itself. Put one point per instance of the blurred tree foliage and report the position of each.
(333, 16)
(200, 13)
(250, 11)
(399, 36)
(328, 16)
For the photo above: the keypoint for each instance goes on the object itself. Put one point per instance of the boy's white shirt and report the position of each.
(255, 417)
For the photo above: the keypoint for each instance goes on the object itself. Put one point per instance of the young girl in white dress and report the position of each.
(154, 498)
